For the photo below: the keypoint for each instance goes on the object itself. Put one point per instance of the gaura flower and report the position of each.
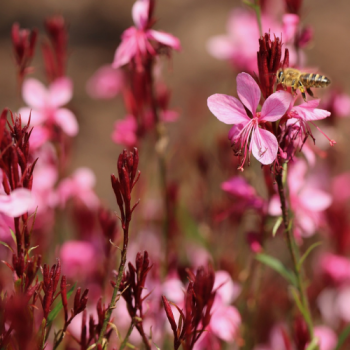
(45, 104)
(136, 40)
(249, 134)
(125, 130)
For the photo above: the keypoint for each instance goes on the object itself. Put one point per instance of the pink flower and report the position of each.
(77, 258)
(241, 44)
(290, 26)
(125, 131)
(327, 337)
(337, 267)
(18, 202)
(307, 113)
(79, 186)
(106, 83)
(307, 202)
(44, 104)
(136, 40)
(262, 143)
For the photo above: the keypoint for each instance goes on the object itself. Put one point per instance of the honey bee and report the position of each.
(293, 78)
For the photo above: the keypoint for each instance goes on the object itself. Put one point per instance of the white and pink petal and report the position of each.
(248, 91)
(60, 92)
(275, 106)
(34, 93)
(227, 109)
(164, 38)
(264, 146)
(67, 121)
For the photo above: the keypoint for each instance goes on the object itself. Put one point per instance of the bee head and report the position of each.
(279, 75)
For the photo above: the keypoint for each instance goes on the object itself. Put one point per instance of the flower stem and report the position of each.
(295, 254)
(116, 287)
(123, 344)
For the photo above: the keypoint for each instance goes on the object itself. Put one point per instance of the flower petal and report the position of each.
(127, 48)
(275, 106)
(17, 203)
(164, 38)
(34, 93)
(248, 91)
(227, 109)
(264, 146)
(67, 121)
(314, 199)
(36, 117)
(140, 12)
(60, 92)
(308, 111)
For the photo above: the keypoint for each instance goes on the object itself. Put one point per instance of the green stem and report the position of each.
(295, 254)
(258, 16)
(116, 287)
(123, 344)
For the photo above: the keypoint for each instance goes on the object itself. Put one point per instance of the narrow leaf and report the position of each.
(6, 245)
(53, 314)
(313, 345)
(276, 265)
(342, 337)
(32, 248)
(308, 251)
(276, 226)
(298, 302)
(13, 236)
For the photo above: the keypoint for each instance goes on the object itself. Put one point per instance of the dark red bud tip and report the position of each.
(170, 315)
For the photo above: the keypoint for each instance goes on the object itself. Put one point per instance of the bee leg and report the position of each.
(302, 90)
(309, 91)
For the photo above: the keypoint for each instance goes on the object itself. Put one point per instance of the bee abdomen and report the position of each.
(314, 80)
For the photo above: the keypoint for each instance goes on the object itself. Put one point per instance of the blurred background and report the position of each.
(193, 75)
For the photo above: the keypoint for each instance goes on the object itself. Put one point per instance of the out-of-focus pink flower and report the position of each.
(290, 26)
(38, 137)
(136, 41)
(106, 83)
(337, 102)
(78, 259)
(327, 337)
(341, 187)
(18, 202)
(337, 267)
(262, 143)
(124, 132)
(241, 44)
(79, 186)
(44, 104)
(307, 202)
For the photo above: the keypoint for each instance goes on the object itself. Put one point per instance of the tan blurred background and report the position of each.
(95, 29)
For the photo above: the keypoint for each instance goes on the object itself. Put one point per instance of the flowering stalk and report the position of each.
(295, 254)
(122, 187)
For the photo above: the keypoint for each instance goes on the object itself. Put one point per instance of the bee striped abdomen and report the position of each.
(314, 80)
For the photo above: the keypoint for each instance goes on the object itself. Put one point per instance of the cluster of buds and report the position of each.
(132, 287)
(55, 51)
(199, 299)
(17, 179)
(123, 186)
(269, 61)
(23, 41)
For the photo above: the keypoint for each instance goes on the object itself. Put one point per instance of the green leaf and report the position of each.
(276, 226)
(53, 314)
(6, 245)
(297, 300)
(32, 248)
(13, 236)
(342, 337)
(308, 251)
(313, 345)
(276, 265)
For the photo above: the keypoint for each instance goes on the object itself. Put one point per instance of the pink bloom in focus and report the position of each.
(78, 259)
(106, 83)
(44, 104)
(124, 132)
(79, 186)
(241, 44)
(307, 202)
(136, 40)
(262, 143)
(307, 113)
